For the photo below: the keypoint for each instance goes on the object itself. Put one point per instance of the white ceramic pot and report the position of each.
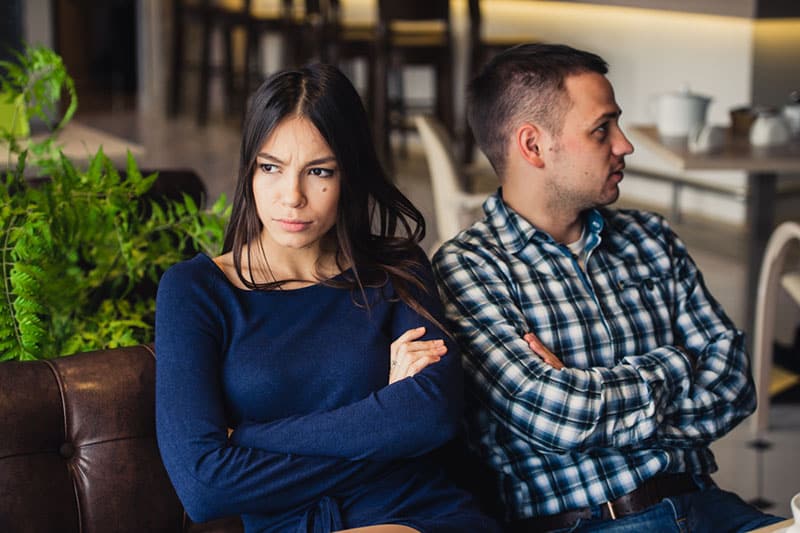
(791, 113)
(769, 129)
(681, 112)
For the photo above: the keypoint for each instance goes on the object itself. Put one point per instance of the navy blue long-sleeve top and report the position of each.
(321, 441)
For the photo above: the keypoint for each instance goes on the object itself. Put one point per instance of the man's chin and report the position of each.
(609, 198)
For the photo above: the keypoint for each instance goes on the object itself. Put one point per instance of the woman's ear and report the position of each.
(528, 139)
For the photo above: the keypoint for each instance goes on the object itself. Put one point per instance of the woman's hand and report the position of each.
(409, 356)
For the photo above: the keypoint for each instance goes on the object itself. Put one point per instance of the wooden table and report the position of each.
(80, 143)
(762, 166)
(780, 526)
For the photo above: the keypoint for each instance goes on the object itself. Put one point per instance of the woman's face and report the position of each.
(296, 185)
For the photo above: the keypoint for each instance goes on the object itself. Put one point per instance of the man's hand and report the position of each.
(541, 350)
(689, 355)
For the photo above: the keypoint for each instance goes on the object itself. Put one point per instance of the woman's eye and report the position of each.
(321, 172)
(267, 168)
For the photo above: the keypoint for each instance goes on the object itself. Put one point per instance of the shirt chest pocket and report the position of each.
(648, 286)
(646, 300)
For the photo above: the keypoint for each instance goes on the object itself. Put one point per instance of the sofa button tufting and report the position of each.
(66, 450)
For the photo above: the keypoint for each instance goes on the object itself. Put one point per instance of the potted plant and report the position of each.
(31, 87)
(81, 251)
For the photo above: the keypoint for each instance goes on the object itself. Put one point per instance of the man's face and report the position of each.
(585, 162)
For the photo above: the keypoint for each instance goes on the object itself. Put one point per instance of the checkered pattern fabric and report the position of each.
(655, 370)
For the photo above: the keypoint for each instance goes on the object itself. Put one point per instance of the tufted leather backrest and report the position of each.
(78, 449)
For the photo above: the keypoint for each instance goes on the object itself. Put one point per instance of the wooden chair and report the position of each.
(454, 207)
(482, 47)
(772, 276)
(411, 32)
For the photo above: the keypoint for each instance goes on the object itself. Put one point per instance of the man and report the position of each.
(599, 366)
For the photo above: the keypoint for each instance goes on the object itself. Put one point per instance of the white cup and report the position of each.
(795, 505)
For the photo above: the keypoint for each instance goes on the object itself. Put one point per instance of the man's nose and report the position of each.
(622, 146)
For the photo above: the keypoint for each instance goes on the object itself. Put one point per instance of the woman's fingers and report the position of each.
(410, 356)
(408, 336)
(420, 363)
(410, 367)
(424, 346)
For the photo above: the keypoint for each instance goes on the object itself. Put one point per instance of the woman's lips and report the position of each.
(292, 225)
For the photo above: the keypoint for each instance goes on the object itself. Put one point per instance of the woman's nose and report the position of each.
(292, 194)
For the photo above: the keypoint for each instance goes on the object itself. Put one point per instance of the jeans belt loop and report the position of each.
(611, 512)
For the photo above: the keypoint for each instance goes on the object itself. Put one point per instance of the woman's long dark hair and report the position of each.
(377, 228)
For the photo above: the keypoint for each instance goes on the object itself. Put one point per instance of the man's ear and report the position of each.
(528, 139)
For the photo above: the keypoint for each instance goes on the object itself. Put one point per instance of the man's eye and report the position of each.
(601, 131)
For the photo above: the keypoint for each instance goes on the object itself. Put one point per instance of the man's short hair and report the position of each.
(523, 83)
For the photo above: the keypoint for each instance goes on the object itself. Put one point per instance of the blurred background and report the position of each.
(171, 79)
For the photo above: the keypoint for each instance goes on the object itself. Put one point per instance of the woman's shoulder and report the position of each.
(199, 270)
(199, 265)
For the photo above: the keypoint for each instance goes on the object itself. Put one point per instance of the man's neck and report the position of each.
(563, 225)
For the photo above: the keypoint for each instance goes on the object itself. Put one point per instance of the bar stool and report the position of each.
(265, 17)
(309, 34)
(411, 32)
(350, 42)
(481, 48)
(208, 16)
(225, 16)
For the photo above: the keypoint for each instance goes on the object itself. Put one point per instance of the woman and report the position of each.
(316, 336)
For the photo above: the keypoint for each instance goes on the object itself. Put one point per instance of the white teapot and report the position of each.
(680, 112)
(769, 129)
(791, 112)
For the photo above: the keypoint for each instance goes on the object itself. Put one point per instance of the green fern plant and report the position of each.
(39, 77)
(81, 253)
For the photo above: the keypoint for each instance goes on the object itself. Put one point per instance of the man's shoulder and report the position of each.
(634, 223)
(476, 243)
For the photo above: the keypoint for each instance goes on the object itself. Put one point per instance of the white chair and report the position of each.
(770, 278)
(454, 207)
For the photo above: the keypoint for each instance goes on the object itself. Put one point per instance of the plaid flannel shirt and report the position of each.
(655, 370)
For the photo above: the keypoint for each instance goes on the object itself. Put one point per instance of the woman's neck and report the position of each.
(287, 264)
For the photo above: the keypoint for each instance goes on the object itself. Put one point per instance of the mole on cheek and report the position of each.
(324, 189)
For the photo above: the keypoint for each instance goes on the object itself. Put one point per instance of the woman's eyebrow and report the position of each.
(321, 160)
(265, 155)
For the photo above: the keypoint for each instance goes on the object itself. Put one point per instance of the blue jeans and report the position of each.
(709, 510)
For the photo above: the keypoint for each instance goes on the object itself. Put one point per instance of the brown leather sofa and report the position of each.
(78, 448)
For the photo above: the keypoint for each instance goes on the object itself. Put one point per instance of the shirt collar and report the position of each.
(514, 232)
